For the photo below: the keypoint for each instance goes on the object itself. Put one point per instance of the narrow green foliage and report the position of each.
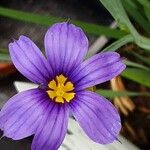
(116, 9)
(144, 59)
(137, 16)
(145, 3)
(147, 13)
(113, 94)
(49, 20)
(136, 65)
(119, 43)
(138, 75)
(4, 57)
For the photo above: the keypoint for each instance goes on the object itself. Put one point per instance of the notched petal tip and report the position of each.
(23, 37)
(66, 46)
(29, 60)
(13, 40)
(100, 68)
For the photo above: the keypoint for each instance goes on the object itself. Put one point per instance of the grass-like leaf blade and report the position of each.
(113, 94)
(140, 76)
(49, 20)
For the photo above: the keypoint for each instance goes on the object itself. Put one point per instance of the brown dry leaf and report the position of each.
(124, 104)
(130, 130)
(143, 136)
(6, 68)
(119, 105)
(144, 110)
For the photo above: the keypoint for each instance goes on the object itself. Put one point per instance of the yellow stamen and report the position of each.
(59, 99)
(68, 96)
(61, 90)
(61, 79)
(68, 87)
(52, 84)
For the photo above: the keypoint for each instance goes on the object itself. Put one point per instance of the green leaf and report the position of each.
(3, 50)
(112, 94)
(4, 57)
(132, 3)
(140, 57)
(138, 75)
(136, 65)
(137, 16)
(117, 44)
(49, 20)
(147, 13)
(143, 42)
(116, 9)
(145, 3)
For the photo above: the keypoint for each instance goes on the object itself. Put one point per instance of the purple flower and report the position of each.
(63, 78)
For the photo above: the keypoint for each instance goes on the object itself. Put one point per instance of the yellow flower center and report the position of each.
(61, 89)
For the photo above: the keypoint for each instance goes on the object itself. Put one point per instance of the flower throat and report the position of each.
(60, 89)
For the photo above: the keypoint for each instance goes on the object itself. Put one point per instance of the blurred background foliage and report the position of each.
(131, 39)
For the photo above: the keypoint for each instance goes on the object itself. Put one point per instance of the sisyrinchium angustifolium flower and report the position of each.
(63, 77)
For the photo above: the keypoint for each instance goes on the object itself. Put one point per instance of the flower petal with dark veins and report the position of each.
(97, 117)
(52, 129)
(30, 61)
(66, 46)
(21, 115)
(97, 69)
